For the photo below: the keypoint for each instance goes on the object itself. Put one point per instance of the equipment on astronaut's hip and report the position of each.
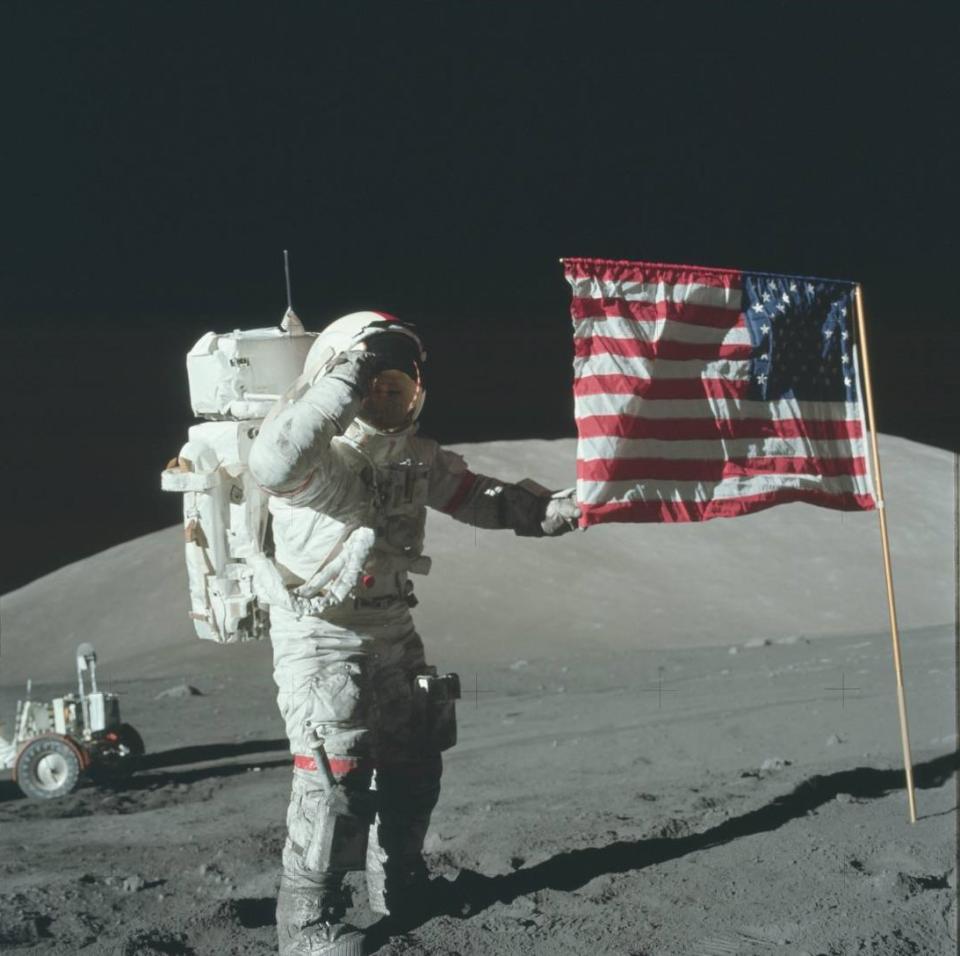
(438, 693)
(55, 743)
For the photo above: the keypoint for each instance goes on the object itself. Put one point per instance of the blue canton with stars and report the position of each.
(801, 330)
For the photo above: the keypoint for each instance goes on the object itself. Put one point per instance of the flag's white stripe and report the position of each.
(693, 293)
(713, 408)
(607, 364)
(605, 492)
(614, 327)
(713, 449)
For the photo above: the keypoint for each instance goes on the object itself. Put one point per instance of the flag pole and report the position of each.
(887, 568)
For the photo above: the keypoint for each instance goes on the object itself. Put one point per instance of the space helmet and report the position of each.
(398, 392)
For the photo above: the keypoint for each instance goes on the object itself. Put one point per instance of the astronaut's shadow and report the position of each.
(472, 892)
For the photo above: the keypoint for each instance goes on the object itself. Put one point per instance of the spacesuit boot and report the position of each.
(310, 911)
(397, 881)
(326, 838)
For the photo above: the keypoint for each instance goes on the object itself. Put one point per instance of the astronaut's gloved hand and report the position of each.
(561, 514)
(357, 367)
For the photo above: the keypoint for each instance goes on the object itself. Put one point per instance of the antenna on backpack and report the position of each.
(290, 321)
(286, 272)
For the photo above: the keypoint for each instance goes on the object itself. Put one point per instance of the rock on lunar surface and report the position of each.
(180, 690)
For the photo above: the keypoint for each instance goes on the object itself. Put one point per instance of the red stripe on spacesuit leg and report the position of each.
(459, 496)
(339, 765)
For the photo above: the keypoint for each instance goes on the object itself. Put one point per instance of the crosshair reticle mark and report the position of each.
(843, 688)
(477, 690)
(660, 689)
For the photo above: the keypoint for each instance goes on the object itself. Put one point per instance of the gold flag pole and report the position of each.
(887, 569)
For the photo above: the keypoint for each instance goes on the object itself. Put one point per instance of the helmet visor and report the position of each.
(391, 401)
(396, 351)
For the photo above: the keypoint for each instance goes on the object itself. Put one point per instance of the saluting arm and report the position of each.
(292, 450)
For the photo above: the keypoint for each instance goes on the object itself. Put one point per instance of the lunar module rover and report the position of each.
(55, 743)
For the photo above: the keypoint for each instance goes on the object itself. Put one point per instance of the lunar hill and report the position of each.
(492, 597)
(675, 740)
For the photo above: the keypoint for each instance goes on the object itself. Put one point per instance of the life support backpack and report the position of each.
(235, 379)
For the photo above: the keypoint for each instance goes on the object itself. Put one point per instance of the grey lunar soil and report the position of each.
(653, 758)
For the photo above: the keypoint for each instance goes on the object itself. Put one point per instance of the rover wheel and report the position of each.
(46, 768)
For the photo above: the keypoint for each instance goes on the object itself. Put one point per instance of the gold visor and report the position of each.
(391, 401)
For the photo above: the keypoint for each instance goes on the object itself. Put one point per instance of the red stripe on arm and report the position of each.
(468, 480)
(287, 494)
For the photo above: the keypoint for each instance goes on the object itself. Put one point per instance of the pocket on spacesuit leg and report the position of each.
(338, 691)
(338, 706)
(328, 829)
(339, 839)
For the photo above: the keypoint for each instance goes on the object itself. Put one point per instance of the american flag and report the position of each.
(705, 393)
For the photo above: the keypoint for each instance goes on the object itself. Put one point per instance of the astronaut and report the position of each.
(349, 482)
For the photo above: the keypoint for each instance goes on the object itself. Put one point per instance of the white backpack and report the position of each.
(235, 379)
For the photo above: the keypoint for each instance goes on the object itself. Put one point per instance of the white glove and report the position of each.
(561, 514)
(330, 586)
(334, 581)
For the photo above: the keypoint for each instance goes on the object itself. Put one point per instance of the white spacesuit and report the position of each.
(349, 482)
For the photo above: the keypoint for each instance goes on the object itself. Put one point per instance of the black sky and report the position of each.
(434, 159)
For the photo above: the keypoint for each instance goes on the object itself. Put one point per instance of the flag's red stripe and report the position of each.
(690, 313)
(623, 270)
(677, 511)
(677, 429)
(659, 349)
(660, 388)
(699, 469)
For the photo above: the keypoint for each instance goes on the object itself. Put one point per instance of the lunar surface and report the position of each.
(675, 740)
